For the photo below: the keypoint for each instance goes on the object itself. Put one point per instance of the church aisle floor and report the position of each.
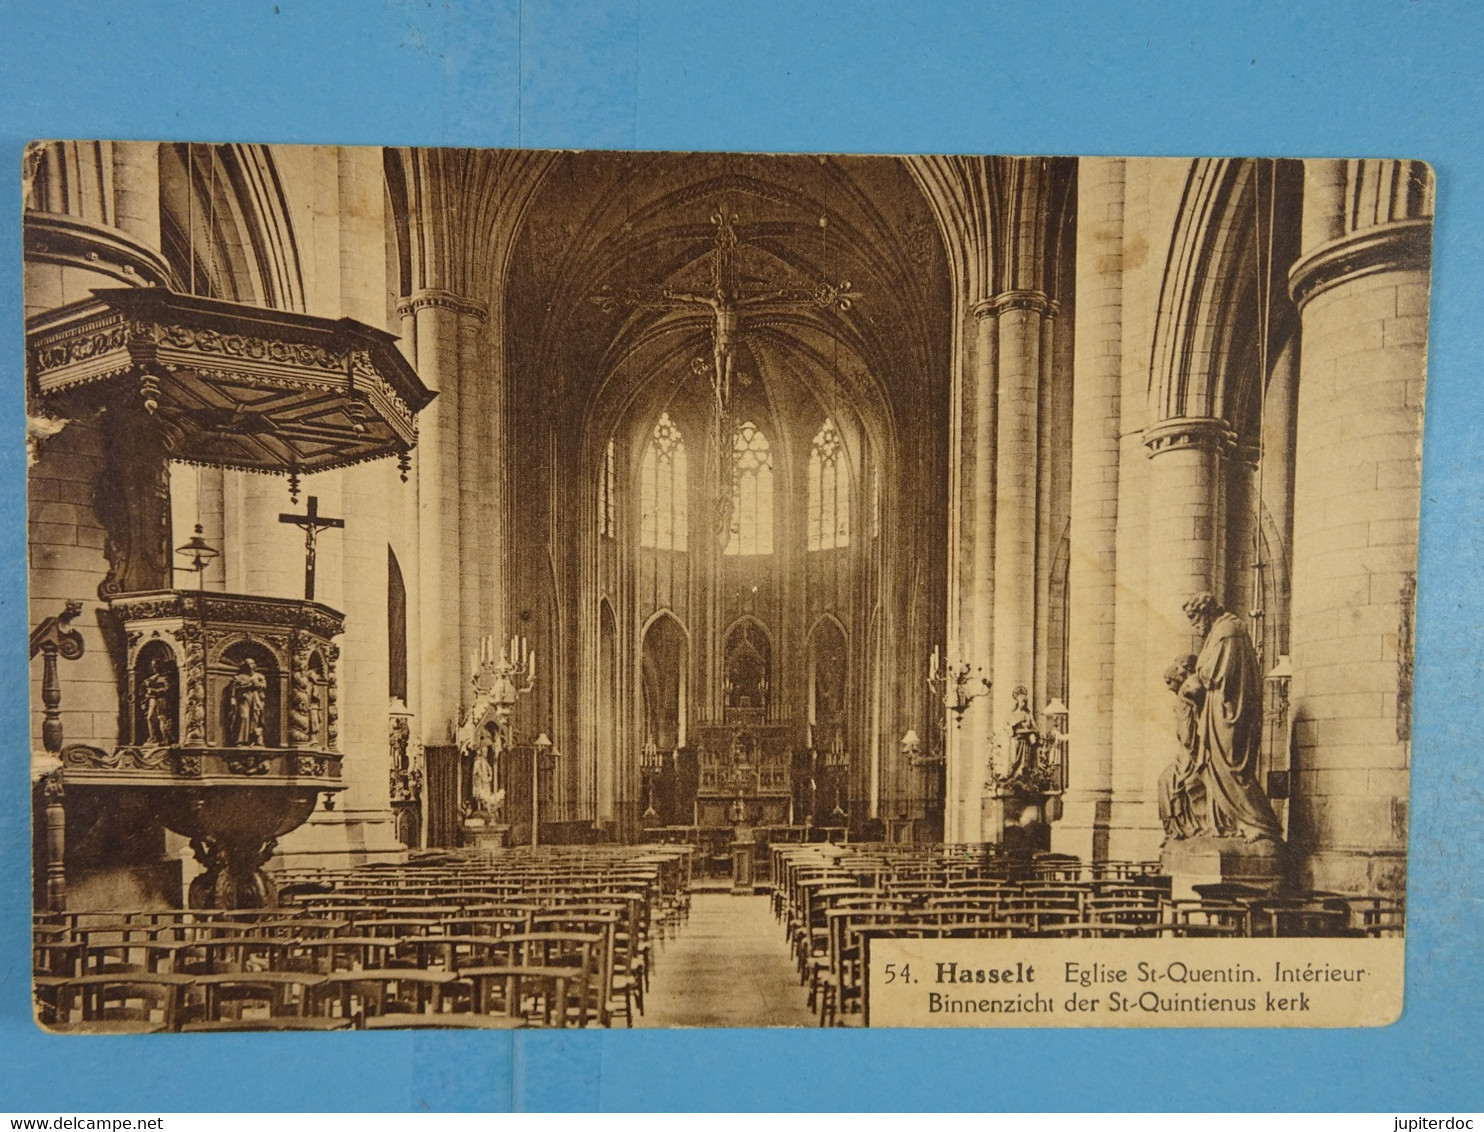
(727, 966)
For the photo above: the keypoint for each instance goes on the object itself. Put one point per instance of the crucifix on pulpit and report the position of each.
(313, 523)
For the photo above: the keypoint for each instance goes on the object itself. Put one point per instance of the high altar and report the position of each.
(746, 762)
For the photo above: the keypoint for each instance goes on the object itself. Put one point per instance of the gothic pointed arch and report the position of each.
(225, 225)
(1222, 287)
(664, 664)
(829, 660)
(748, 680)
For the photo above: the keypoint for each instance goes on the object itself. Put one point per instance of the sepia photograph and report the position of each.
(509, 588)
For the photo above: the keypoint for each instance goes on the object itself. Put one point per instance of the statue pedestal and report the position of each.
(1016, 820)
(485, 833)
(1200, 861)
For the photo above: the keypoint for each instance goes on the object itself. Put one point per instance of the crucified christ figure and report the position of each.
(726, 301)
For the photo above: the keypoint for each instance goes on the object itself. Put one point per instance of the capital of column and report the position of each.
(1402, 245)
(444, 300)
(1210, 433)
(1022, 300)
(1248, 453)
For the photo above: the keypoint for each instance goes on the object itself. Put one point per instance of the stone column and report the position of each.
(1186, 519)
(136, 190)
(471, 492)
(436, 652)
(369, 493)
(451, 523)
(968, 739)
(1361, 287)
(1020, 314)
(405, 538)
(1092, 576)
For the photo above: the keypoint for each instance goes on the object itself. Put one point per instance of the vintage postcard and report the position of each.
(507, 588)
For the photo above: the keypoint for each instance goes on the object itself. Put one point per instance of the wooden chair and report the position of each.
(602, 924)
(545, 995)
(231, 995)
(371, 992)
(340, 953)
(134, 1002)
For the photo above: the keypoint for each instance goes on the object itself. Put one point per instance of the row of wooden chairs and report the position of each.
(832, 900)
(524, 938)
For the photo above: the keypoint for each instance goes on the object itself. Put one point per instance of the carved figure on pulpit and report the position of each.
(1229, 724)
(316, 718)
(247, 695)
(1024, 738)
(159, 692)
(1182, 796)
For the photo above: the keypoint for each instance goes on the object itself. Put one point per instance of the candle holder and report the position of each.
(651, 765)
(956, 684)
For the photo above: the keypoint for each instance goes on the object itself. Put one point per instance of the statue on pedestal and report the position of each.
(1014, 767)
(1226, 688)
(485, 797)
(1024, 737)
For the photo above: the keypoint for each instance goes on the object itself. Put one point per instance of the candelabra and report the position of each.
(497, 681)
(651, 764)
(954, 684)
(837, 767)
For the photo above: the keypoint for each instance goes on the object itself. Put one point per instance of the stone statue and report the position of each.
(158, 689)
(484, 797)
(1181, 793)
(1229, 724)
(246, 696)
(1024, 738)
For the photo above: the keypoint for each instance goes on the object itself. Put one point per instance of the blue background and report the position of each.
(1349, 79)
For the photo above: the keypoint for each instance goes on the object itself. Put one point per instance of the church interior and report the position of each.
(517, 588)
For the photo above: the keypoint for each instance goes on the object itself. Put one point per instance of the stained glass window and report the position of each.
(829, 491)
(752, 492)
(663, 520)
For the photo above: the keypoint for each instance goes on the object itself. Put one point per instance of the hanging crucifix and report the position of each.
(726, 300)
(312, 523)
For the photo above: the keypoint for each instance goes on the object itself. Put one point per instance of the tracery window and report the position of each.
(663, 522)
(752, 492)
(829, 491)
(607, 527)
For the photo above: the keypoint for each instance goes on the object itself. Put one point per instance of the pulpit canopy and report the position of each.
(233, 386)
